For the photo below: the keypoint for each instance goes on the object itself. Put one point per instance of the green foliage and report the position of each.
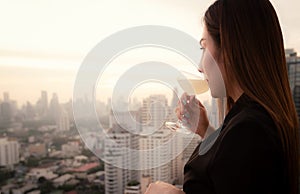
(88, 153)
(67, 187)
(46, 187)
(5, 174)
(32, 161)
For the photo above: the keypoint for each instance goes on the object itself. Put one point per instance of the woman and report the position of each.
(257, 147)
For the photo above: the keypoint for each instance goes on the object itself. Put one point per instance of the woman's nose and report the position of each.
(200, 66)
(200, 69)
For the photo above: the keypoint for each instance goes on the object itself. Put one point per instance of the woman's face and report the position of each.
(212, 66)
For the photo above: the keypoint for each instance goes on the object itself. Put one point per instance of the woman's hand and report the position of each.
(162, 188)
(194, 113)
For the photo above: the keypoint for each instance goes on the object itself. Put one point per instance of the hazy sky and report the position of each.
(43, 42)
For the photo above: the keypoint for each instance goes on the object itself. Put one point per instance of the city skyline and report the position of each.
(34, 150)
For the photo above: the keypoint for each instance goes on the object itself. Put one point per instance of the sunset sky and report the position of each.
(43, 42)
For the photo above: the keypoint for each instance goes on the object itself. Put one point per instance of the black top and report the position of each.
(246, 157)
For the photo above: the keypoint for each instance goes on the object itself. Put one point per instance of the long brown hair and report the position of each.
(249, 37)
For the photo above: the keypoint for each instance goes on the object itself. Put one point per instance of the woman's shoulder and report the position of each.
(253, 119)
(249, 144)
(252, 128)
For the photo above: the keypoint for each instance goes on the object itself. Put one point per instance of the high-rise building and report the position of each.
(6, 97)
(293, 65)
(133, 189)
(121, 136)
(157, 158)
(6, 113)
(8, 109)
(116, 143)
(167, 160)
(176, 164)
(9, 152)
(54, 107)
(42, 105)
(63, 121)
(154, 111)
(29, 111)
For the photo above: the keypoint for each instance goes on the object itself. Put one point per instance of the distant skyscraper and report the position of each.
(29, 111)
(9, 152)
(8, 109)
(42, 105)
(6, 97)
(63, 121)
(6, 112)
(293, 64)
(44, 101)
(54, 107)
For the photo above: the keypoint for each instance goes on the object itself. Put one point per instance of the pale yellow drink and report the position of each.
(193, 86)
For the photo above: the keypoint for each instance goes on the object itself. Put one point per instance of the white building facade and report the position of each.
(9, 152)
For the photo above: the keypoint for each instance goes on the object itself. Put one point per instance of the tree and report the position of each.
(32, 161)
(46, 186)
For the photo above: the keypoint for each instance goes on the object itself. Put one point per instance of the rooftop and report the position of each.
(86, 167)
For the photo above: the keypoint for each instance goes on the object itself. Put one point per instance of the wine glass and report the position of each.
(192, 84)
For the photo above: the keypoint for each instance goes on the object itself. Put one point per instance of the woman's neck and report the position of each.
(236, 93)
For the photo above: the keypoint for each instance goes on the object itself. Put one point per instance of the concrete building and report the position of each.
(157, 158)
(25, 189)
(54, 108)
(293, 65)
(136, 189)
(155, 110)
(35, 173)
(63, 121)
(38, 149)
(116, 178)
(42, 105)
(82, 171)
(167, 167)
(9, 152)
(59, 181)
(72, 148)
